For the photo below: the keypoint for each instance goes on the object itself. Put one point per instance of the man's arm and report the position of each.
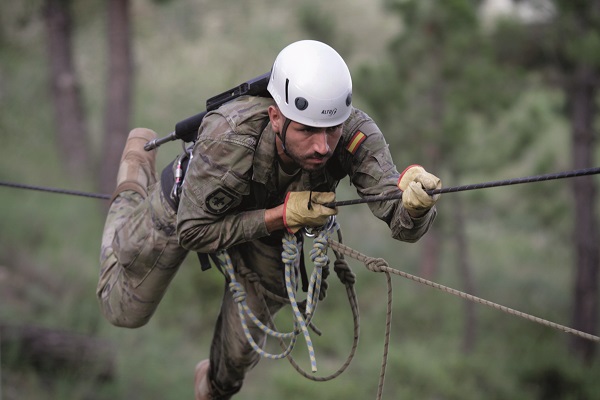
(274, 219)
(210, 216)
(373, 173)
(218, 177)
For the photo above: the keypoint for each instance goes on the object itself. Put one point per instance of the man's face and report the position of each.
(309, 147)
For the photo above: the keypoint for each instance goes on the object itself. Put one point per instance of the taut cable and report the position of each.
(369, 199)
(485, 185)
(54, 190)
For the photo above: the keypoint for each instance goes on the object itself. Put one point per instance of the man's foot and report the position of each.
(137, 170)
(201, 382)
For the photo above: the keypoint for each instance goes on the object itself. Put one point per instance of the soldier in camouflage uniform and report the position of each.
(255, 167)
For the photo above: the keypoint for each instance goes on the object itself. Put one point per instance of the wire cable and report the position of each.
(485, 185)
(55, 190)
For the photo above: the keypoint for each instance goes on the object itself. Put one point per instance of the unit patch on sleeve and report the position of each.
(355, 142)
(219, 201)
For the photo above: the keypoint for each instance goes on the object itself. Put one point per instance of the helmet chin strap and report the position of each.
(282, 135)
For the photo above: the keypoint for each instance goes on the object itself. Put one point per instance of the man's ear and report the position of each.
(275, 116)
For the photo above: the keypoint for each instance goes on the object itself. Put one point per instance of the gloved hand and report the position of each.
(413, 182)
(296, 213)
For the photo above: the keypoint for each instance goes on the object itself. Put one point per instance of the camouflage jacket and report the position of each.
(233, 177)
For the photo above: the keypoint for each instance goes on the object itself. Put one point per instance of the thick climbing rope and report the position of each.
(315, 292)
(239, 296)
(347, 278)
(290, 257)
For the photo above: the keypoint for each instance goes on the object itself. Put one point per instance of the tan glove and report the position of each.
(414, 182)
(296, 213)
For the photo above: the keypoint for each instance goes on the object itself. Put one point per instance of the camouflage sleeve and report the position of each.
(218, 177)
(374, 173)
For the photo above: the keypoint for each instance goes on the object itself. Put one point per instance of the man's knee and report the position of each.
(124, 319)
(118, 312)
(130, 323)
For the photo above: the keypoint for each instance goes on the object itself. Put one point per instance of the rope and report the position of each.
(239, 297)
(386, 342)
(289, 256)
(347, 278)
(379, 265)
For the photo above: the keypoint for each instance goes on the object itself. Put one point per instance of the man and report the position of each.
(260, 167)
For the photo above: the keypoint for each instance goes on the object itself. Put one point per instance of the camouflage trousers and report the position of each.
(140, 255)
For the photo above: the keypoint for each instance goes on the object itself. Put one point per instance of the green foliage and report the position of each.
(496, 123)
(586, 49)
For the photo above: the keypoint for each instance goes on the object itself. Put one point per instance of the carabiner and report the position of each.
(311, 232)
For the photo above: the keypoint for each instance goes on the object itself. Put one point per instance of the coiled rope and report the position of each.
(320, 259)
(239, 296)
(348, 279)
(290, 258)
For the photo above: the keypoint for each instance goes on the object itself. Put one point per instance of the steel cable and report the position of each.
(484, 185)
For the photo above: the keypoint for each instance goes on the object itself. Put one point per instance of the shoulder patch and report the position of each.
(219, 201)
(357, 139)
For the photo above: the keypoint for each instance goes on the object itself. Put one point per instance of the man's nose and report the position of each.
(320, 144)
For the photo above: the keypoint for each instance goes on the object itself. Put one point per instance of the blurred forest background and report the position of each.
(474, 91)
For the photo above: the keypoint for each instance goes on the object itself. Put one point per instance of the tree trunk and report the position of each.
(118, 97)
(430, 254)
(69, 116)
(432, 242)
(464, 270)
(581, 97)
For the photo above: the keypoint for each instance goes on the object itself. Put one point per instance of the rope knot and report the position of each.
(239, 295)
(324, 283)
(344, 273)
(377, 264)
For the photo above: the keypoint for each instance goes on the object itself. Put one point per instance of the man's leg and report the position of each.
(140, 254)
(137, 170)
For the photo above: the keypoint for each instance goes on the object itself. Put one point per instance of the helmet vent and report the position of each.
(287, 95)
(301, 103)
(349, 99)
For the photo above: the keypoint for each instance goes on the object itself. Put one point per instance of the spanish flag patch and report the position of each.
(356, 141)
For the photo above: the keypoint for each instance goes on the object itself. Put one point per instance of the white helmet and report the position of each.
(311, 84)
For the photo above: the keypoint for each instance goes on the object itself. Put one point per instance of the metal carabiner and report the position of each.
(179, 172)
(311, 232)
